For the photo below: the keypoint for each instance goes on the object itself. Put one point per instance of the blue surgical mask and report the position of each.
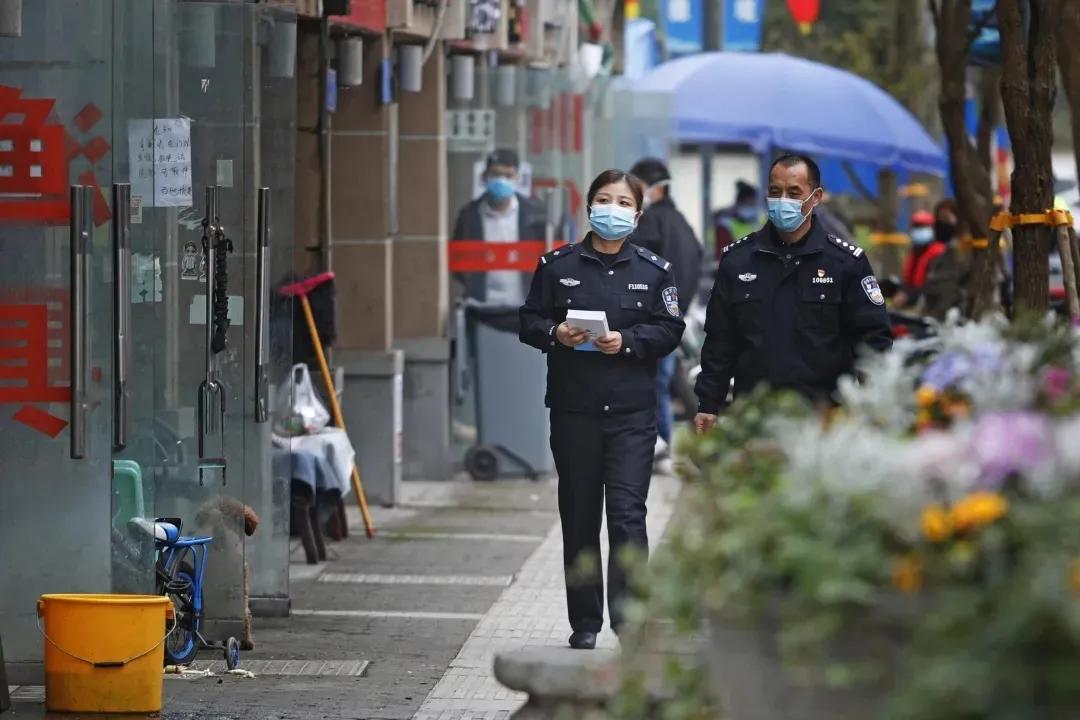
(922, 235)
(787, 214)
(500, 188)
(612, 222)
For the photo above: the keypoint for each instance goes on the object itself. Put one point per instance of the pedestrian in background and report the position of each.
(738, 220)
(933, 277)
(602, 395)
(665, 231)
(791, 304)
(504, 215)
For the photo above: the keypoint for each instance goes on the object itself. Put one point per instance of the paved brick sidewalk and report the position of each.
(530, 613)
(423, 606)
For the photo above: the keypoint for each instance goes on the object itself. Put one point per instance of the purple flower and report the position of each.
(1057, 382)
(1005, 443)
(951, 368)
(947, 370)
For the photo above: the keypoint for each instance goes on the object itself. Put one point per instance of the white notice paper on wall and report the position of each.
(160, 155)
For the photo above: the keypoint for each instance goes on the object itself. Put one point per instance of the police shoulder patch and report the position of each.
(564, 251)
(654, 258)
(732, 246)
(847, 247)
(670, 296)
(873, 290)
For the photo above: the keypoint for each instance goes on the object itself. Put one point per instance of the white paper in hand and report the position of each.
(593, 322)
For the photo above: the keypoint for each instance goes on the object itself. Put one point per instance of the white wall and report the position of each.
(726, 169)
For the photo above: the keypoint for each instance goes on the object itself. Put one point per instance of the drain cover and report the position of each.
(286, 668)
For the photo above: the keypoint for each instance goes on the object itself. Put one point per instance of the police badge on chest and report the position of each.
(822, 279)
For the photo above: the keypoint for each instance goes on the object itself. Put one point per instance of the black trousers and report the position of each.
(597, 455)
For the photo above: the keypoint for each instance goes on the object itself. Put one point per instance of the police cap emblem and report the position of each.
(873, 290)
(671, 300)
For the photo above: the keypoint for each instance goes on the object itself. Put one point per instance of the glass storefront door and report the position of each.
(107, 409)
(66, 90)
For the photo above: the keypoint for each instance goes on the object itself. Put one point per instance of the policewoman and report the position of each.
(602, 394)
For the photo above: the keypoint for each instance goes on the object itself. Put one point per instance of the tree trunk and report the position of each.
(1068, 270)
(989, 115)
(1069, 64)
(1029, 86)
(971, 179)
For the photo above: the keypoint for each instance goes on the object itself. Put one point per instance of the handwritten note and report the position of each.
(160, 154)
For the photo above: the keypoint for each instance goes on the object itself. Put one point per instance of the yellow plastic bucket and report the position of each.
(104, 653)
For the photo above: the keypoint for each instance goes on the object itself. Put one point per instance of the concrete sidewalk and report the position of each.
(530, 613)
(404, 625)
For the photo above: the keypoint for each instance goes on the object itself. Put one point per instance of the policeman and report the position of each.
(791, 304)
(602, 393)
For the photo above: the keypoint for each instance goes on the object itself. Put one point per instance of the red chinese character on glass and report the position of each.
(36, 153)
(34, 356)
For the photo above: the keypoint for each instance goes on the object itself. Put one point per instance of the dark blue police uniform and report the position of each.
(792, 316)
(603, 407)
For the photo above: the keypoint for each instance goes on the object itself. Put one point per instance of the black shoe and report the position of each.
(583, 641)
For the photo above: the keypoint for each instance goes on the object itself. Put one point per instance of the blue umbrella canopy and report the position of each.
(771, 100)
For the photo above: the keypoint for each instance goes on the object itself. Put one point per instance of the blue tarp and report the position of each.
(768, 101)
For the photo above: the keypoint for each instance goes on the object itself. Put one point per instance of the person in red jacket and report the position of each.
(932, 278)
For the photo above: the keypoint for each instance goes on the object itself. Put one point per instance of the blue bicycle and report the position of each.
(180, 570)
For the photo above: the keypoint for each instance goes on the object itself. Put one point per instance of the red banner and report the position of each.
(470, 256)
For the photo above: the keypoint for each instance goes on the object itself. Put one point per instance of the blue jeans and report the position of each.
(665, 417)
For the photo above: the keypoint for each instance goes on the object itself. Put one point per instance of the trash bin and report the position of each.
(508, 380)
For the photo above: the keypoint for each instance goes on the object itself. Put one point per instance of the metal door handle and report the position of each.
(81, 227)
(211, 405)
(121, 313)
(262, 361)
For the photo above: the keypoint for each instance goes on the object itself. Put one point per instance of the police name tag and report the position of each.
(640, 287)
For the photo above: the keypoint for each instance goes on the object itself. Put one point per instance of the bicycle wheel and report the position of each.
(182, 645)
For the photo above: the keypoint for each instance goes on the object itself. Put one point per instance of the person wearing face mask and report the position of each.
(665, 231)
(504, 215)
(602, 394)
(932, 275)
(792, 304)
(740, 219)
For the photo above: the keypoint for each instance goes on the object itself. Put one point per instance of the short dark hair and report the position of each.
(650, 171)
(502, 156)
(744, 191)
(792, 159)
(610, 177)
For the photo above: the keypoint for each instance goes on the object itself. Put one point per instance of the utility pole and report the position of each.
(712, 18)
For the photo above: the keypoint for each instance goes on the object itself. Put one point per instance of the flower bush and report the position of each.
(944, 492)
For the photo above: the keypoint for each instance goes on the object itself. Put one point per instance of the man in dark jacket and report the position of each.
(792, 304)
(504, 215)
(664, 230)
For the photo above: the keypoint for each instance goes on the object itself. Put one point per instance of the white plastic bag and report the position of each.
(301, 412)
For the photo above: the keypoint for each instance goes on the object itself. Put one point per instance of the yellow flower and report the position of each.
(907, 574)
(924, 420)
(936, 523)
(978, 509)
(925, 397)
